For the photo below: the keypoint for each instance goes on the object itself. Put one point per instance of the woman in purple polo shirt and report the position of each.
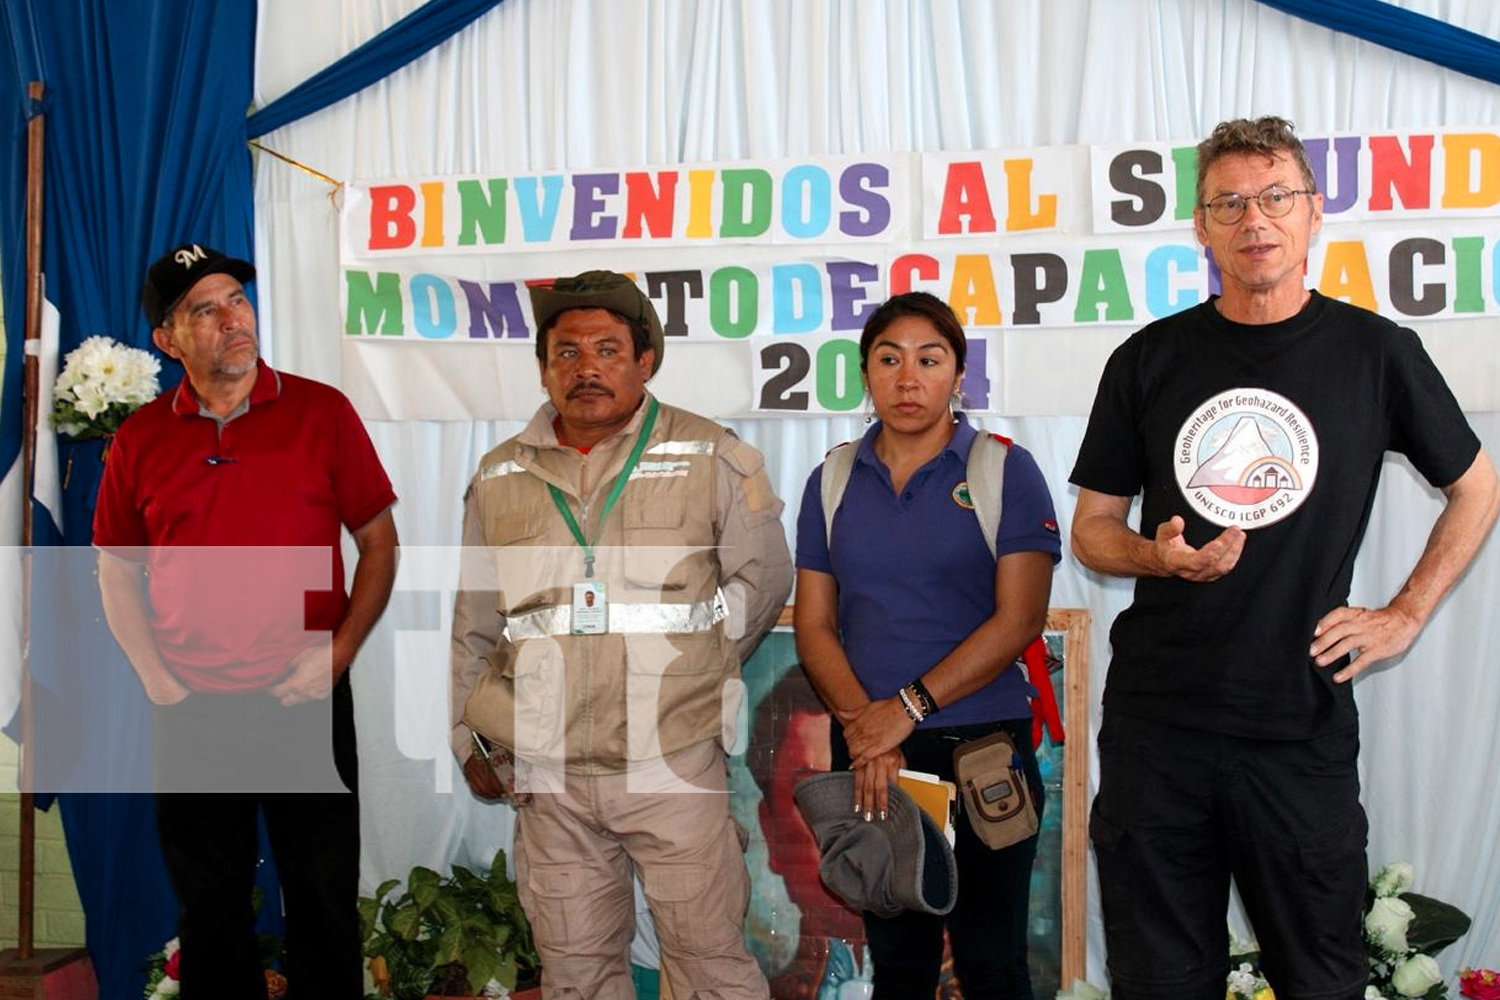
(911, 630)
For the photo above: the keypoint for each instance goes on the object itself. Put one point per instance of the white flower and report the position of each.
(1386, 923)
(168, 987)
(1416, 975)
(1371, 993)
(1242, 981)
(91, 353)
(135, 377)
(1394, 879)
(90, 397)
(1081, 990)
(171, 949)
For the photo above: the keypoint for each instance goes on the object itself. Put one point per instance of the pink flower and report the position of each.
(1479, 984)
(171, 967)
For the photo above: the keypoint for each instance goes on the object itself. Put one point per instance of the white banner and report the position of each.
(773, 266)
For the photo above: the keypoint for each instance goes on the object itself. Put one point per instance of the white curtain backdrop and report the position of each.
(571, 84)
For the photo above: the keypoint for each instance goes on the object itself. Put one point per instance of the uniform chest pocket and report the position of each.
(525, 573)
(511, 526)
(658, 549)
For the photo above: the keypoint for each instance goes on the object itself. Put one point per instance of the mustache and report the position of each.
(589, 387)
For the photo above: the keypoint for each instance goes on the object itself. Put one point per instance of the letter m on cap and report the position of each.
(187, 255)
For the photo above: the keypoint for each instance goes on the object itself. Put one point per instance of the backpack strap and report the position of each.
(986, 475)
(837, 465)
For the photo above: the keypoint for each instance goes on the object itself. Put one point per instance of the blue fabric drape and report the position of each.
(427, 26)
(145, 147)
(1404, 31)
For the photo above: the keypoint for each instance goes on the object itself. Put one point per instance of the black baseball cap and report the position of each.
(600, 290)
(179, 269)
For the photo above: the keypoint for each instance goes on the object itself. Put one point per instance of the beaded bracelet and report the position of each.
(912, 711)
(929, 703)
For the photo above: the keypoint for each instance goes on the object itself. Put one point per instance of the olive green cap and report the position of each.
(600, 290)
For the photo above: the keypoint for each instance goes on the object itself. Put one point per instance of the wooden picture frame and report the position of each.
(1073, 626)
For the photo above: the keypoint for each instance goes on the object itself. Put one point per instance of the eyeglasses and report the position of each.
(1274, 202)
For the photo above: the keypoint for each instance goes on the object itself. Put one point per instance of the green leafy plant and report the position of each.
(463, 935)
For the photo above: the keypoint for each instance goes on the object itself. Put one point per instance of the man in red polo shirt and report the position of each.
(228, 495)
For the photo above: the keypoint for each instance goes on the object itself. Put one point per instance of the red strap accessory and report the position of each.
(1044, 710)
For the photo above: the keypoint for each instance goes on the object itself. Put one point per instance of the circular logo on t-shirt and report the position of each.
(961, 495)
(1247, 457)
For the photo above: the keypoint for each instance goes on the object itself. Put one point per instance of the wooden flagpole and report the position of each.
(31, 389)
(53, 973)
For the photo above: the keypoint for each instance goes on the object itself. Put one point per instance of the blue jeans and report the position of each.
(988, 923)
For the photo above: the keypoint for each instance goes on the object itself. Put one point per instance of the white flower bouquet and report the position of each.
(1403, 930)
(102, 383)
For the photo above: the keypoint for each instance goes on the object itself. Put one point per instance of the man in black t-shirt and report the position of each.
(1253, 427)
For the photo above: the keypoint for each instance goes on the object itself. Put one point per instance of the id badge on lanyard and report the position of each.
(590, 607)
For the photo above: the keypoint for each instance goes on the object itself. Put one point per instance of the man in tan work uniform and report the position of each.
(622, 559)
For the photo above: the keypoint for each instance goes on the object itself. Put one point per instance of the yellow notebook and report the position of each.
(934, 795)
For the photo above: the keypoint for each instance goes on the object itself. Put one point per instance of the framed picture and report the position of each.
(808, 942)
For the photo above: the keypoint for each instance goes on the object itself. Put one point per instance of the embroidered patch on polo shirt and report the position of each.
(961, 496)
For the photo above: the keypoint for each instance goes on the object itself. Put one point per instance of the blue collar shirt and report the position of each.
(914, 575)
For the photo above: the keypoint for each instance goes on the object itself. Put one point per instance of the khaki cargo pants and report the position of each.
(577, 848)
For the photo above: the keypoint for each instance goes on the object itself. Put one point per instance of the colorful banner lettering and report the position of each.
(824, 201)
(787, 259)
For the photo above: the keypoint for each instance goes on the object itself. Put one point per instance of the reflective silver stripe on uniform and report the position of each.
(625, 619)
(499, 469)
(681, 448)
(660, 470)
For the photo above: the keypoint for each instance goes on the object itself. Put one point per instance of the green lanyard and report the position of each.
(630, 463)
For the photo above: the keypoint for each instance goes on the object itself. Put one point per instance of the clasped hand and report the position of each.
(879, 727)
(874, 737)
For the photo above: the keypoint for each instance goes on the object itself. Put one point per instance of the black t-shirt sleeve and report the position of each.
(1111, 459)
(1427, 424)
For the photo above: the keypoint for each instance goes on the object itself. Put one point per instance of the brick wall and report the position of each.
(59, 915)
